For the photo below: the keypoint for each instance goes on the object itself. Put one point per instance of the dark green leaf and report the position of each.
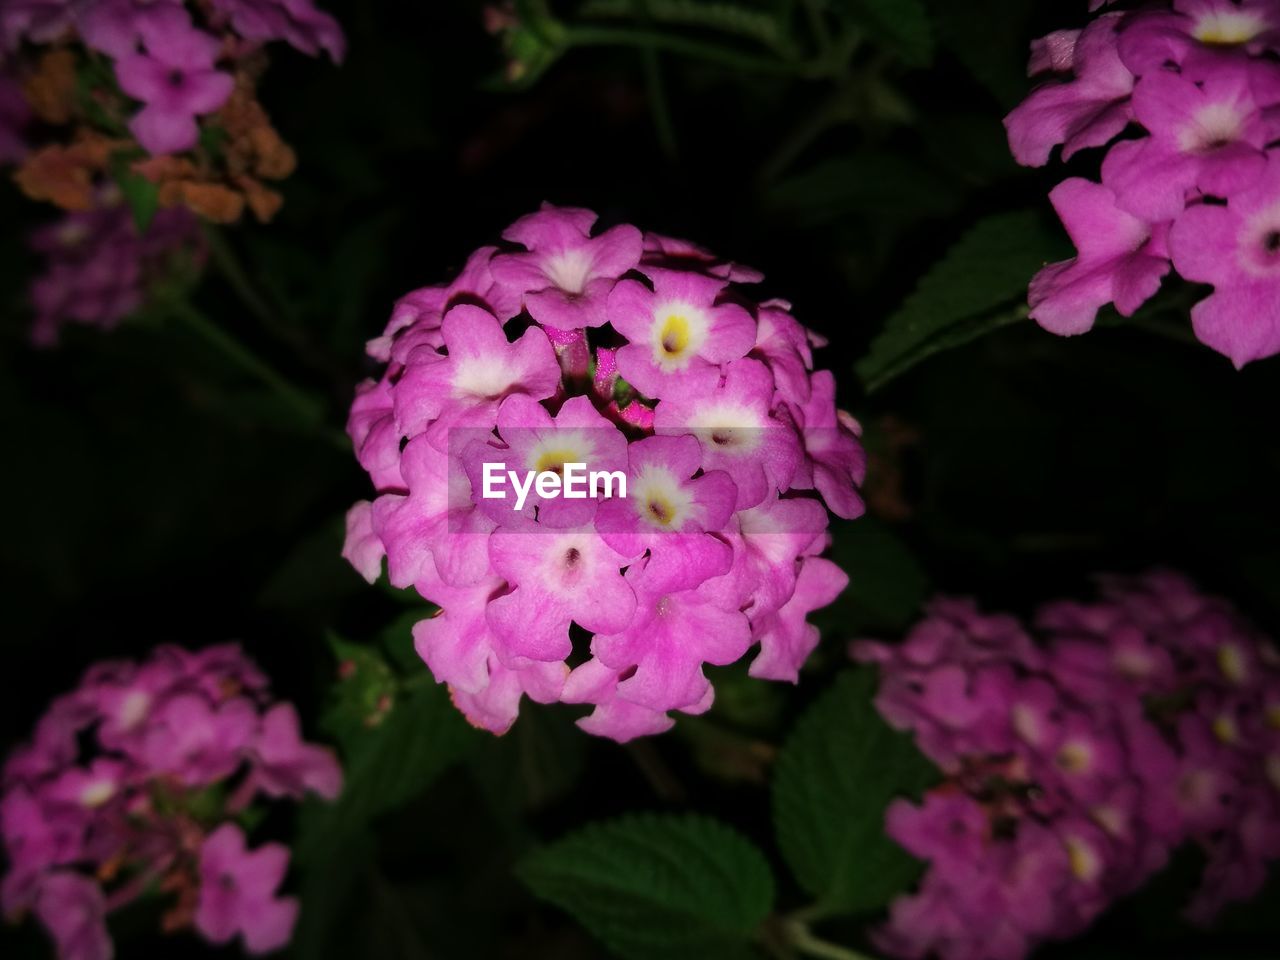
(363, 695)
(902, 25)
(990, 37)
(313, 578)
(889, 188)
(421, 736)
(761, 26)
(397, 639)
(538, 760)
(142, 196)
(388, 763)
(658, 887)
(975, 287)
(886, 583)
(835, 777)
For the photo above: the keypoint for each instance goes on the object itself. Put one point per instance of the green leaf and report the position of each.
(658, 887)
(835, 778)
(902, 25)
(387, 764)
(397, 639)
(887, 585)
(540, 759)
(763, 26)
(142, 196)
(329, 888)
(312, 579)
(881, 187)
(989, 37)
(978, 285)
(421, 736)
(363, 695)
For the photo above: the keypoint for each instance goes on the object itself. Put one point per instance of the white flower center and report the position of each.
(1228, 27)
(728, 427)
(1213, 126)
(660, 499)
(481, 378)
(569, 270)
(552, 453)
(133, 709)
(1258, 254)
(97, 793)
(1025, 723)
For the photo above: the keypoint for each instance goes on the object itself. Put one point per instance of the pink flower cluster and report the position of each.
(98, 267)
(624, 351)
(1077, 762)
(134, 782)
(1193, 93)
(162, 58)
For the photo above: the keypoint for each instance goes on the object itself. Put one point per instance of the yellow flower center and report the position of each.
(1224, 728)
(1084, 861)
(675, 335)
(1231, 663)
(1074, 758)
(661, 510)
(553, 461)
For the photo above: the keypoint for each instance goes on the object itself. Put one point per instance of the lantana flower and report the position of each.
(1200, 82)
(175, 77)
(99, 267)
(99, 94)
(637, 357)
(1077, 763)
(134, 782)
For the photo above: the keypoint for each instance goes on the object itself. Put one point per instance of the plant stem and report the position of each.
(224, 257)
(603, 36)
(799, 936)
(655, 770)
(306, 408)
(832, 112)
(817, 27)
(656, 94)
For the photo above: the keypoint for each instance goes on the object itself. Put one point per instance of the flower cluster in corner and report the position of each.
(139, 781)
(152, 99)
(629, 351)
(99, 268)
(1076, 762)
(1190, 95)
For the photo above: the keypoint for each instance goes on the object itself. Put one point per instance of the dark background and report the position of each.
(152, 494)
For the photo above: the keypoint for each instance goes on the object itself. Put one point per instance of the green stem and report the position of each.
(834, 111)
(603, 36)
(799, 936)
(276, 321)
(659, 107)
(224, 257)
(817, 27)
(655, 770)
(304, 406)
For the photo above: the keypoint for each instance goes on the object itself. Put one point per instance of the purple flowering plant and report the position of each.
(641, 608)
(1183, 96)
(140, 781)
(139, 119)
(630, 357)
